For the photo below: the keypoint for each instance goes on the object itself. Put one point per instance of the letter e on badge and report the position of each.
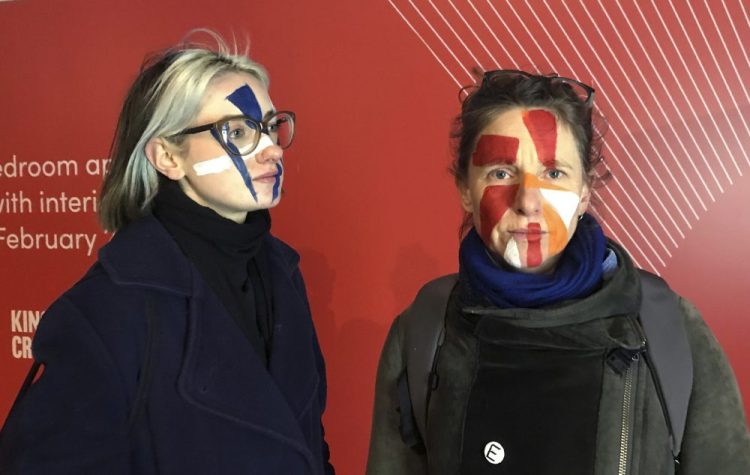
(494, 452)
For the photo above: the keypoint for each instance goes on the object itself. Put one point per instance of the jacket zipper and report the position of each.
(625, 362)
(627, 409)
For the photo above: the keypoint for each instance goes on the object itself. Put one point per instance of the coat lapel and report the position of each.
(292, 363)
(221, 373)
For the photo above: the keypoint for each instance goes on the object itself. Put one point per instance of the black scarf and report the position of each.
(230, 256)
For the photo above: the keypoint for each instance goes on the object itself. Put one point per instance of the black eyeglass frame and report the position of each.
(262, 126)
(488, 75)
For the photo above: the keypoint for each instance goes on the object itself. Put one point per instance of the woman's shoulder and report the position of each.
(288, 256)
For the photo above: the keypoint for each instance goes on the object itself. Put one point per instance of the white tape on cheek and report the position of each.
(512, 256)
(564, 202)
(214, 165)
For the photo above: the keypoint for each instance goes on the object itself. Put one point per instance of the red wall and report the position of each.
(368, 201)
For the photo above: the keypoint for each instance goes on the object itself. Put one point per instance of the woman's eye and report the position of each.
(555, 174)
(499, 174)
(236, 133)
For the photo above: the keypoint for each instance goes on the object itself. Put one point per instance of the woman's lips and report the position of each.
(269, 177)
(532, 233)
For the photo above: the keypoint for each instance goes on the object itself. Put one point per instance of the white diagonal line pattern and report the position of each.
(667, 92)
(734, 29)
(678, 83)
(692, 79)
(656, 127)
(427, 45)
(447, 23)
(473, 32)
(442, 41)
(719, 70)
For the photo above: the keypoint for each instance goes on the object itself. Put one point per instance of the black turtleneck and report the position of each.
(230, 256)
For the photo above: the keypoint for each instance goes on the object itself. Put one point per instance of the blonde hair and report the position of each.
(163, 100)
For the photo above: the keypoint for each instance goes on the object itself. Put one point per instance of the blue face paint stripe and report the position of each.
(239, 164)
(246, 102)
(244, 99)
(277, 183)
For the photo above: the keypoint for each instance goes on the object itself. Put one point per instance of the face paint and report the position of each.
(533, 245)
(244, 99)
(542, 127)
(239, 164)
(213, 166)
(225, 162)
(558, 215)
(496, 200)
(277, 183)
(495, 149)
(527, 230)
(512, 256)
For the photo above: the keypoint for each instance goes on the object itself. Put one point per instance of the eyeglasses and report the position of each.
(240, 135)
(584, 92)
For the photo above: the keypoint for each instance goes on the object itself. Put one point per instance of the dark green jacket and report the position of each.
(716, 440)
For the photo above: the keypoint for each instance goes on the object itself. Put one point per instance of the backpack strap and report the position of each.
(667, 353)
(423, 330)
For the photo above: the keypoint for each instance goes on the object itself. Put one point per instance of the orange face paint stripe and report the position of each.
(530, 181)
(557, 231)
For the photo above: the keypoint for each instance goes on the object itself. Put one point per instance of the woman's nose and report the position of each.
(529, 197)
(271, 153)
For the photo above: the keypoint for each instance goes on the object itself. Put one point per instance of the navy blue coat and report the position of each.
(146, 372)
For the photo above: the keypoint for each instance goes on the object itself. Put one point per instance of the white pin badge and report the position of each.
(494, 452)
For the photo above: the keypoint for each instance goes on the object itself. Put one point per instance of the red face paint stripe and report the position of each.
(496, 200)
(542, 127)
(495, 149)
(534, 247)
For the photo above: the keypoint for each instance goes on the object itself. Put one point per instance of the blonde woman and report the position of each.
(188, 347)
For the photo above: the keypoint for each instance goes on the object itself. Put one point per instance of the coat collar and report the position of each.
(160, 264)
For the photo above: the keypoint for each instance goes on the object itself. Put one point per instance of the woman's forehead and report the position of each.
(539, 134)
(236, 93)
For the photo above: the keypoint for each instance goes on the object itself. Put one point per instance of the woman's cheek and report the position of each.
(558, 209)
(557, 230)
(495, 202)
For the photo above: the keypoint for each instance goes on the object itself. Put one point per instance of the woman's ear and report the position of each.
(583, 205)
(162, 156)
(464, 192)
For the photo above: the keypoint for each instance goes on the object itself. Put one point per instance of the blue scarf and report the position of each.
(578, 272)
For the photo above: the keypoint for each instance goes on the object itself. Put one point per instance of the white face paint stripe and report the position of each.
(512, 256)
(224, 163)
(564, 202)
(214, 165)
